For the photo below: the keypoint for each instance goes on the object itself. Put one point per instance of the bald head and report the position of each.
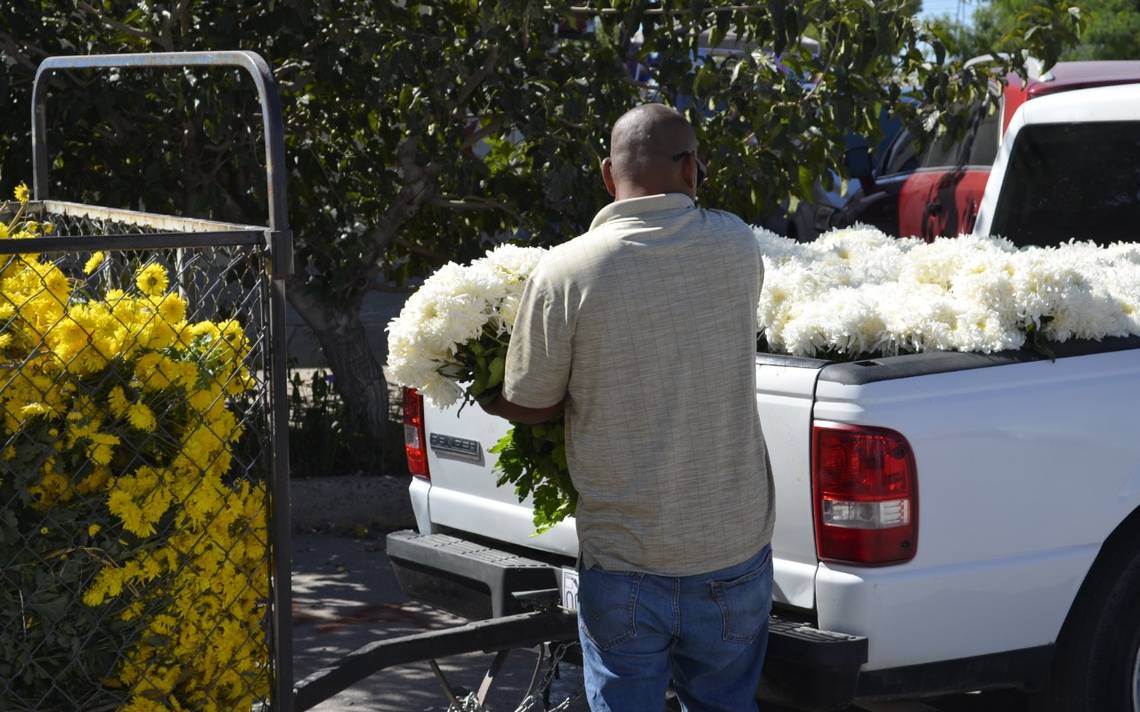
(643, 145)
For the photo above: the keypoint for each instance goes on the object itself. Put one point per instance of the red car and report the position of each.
(934, 190)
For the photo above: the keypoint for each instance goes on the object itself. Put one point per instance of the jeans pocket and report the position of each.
(745, 602)
(607, 606)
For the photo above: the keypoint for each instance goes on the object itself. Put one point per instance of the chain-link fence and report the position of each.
(137, 458)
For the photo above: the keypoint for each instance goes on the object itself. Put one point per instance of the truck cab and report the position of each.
(927, 189)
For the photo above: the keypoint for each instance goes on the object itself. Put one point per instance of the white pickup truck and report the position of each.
(1002, 547)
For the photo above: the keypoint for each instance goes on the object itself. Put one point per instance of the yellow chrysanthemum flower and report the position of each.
(141, 417)
(117, 400)
(204, 569)
(172, 309)
(102, 448)
(22, 193)
(152, 280)
(94, 262)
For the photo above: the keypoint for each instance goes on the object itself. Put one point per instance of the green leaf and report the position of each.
(495, 374)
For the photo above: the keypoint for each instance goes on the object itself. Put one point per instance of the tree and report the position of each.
(1111, 29)
(424, 132)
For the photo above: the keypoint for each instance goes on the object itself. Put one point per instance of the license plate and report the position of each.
(569, 589)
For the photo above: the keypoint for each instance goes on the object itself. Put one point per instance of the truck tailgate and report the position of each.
(785, 392)
(463, 494)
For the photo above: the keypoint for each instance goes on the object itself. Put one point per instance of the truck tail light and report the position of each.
(865, 491)
(415, 437)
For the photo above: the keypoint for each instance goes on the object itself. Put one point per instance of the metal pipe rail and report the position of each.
(522, 630)
(279, 237)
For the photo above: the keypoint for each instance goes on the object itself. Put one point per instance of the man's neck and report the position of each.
(628, 192)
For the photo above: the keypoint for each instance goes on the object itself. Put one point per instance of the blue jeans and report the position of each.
(707, 633)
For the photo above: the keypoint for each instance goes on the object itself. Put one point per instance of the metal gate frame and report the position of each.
(174, 232)
(545, 622)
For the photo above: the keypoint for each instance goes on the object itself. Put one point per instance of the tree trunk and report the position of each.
(357, 374)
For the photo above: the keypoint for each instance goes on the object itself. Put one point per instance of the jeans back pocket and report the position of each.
(745, 602)
(607, 605)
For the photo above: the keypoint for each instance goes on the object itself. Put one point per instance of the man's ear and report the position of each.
(689, 174)
(608, 176)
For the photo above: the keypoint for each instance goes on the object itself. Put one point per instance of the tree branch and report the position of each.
(475, 80)
(476, 136)
(88, 9)
(183, 14)
(419, 187)
(471, 203)
(166, 33)
(423, 251)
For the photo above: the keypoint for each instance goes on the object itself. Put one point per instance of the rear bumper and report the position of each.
(806, 667)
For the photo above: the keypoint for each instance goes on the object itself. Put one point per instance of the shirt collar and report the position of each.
(639, 207)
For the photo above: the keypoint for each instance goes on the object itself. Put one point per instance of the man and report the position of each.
(643, 330)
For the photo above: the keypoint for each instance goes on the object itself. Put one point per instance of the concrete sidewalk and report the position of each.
(345, 596)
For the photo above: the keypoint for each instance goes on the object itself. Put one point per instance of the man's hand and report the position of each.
(515, 413)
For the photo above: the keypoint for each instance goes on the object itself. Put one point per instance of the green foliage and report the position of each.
(52, 645)
(385, 104)
(322, 441)
(421, 132)
(533, 459)
(1113, 31)
(1109, 29)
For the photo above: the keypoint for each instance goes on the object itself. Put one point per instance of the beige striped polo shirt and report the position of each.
(646, 324)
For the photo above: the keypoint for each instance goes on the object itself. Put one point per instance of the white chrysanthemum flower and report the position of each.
(777, 249)
(859, 291)
(514, 260)
(453, 308)
(440, 390)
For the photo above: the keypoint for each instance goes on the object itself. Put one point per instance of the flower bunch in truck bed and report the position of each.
(859, 292)
(450, 343)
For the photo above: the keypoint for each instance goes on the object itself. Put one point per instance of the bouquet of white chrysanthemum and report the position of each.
(450, 339)
(450, 343)
(859, 292)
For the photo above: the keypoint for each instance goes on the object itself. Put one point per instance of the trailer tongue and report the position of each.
(498, 635)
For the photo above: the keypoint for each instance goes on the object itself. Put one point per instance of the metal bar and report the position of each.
(251, 62)
(517, 631)
(145, 241)
(39, 138)
(141, 219)
(452, 699)
(281, 531)
(492, 673)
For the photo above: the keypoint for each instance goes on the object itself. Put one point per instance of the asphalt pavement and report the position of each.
(345, 596)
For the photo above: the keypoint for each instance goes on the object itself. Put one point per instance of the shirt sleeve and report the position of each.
(538, 359)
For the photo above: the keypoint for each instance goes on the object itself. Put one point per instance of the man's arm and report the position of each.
(521, 414)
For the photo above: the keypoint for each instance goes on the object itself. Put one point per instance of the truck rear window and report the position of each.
(1072, 181)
